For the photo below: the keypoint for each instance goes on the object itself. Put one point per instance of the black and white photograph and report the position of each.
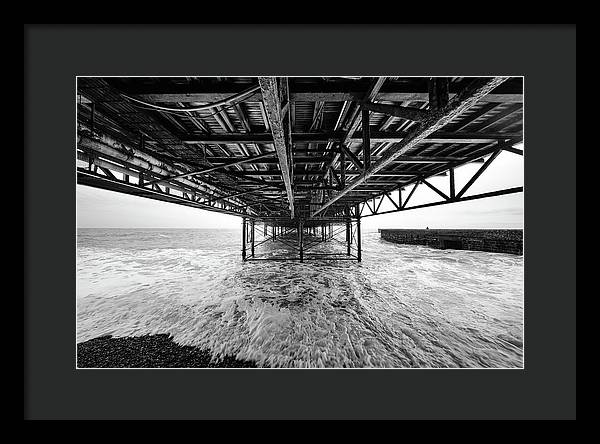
(300, 221)
(316, 222)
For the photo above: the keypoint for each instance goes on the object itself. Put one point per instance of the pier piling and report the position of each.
(348, 237)
(252, 239)
(301, 239)
(244, 238)
(358, 243)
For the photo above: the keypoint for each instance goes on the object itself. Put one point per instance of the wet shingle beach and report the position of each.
(148, 351)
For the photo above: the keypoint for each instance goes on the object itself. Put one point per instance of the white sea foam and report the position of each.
(403, 306)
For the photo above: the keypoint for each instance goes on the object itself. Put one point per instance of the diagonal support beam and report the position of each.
(391, 200)
(478, 173)
(442, 194)
(436, 120)
(414, 188)
(355, 160)
(380, 202)
(272, 103)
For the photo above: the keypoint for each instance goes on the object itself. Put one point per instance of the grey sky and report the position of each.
(107, 209)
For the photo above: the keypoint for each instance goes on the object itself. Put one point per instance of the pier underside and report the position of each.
(300, 159)
(332, 239)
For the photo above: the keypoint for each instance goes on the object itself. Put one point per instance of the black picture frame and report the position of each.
(55, 54)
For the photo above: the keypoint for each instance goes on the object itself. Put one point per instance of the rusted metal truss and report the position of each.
(436, 119)
(294, 152)
(122, 169)
(399, 203)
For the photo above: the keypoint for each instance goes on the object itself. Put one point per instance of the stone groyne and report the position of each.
(495, 241)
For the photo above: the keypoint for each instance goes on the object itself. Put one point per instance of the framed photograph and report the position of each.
(298, 220)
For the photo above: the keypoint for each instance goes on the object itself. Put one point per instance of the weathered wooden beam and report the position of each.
(272, 102)
(404, 112)
(437, 119)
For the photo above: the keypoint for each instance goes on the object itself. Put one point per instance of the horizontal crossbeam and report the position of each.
(446, 202)
(337, 136)
(310, 93)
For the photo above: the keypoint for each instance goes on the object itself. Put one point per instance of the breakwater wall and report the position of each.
(495, 241)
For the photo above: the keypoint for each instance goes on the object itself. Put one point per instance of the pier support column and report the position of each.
(301, 239)
(348, 230)
(358, 240)
(244, 238)
(252, 239)
(348, 236)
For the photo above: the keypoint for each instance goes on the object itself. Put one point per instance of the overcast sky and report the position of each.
(106, 209)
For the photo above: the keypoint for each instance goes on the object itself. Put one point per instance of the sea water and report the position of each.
(402, 306)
